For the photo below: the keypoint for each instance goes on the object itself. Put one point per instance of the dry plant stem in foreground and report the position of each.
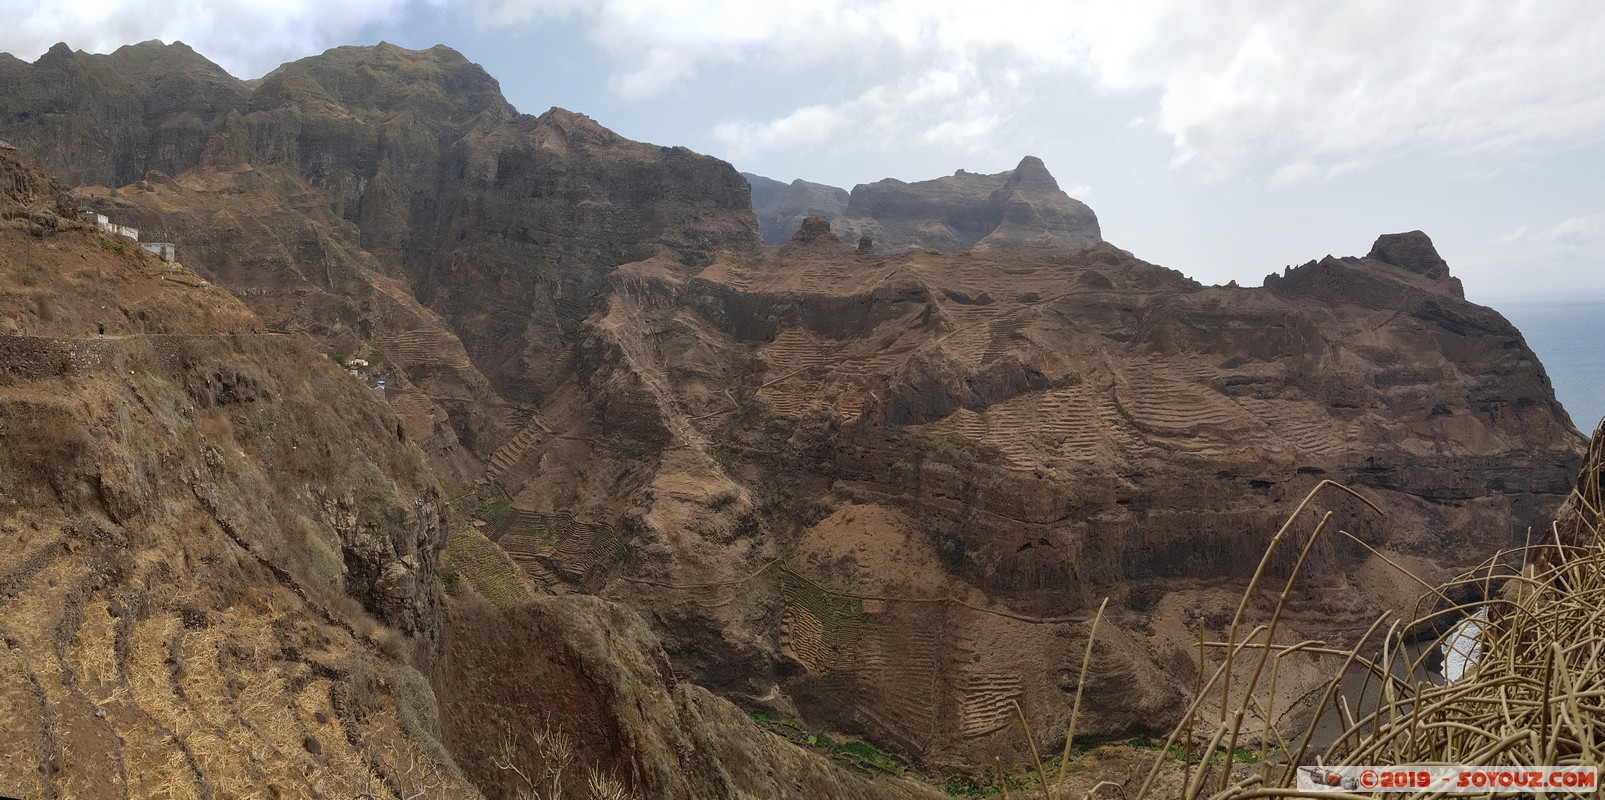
(1232, 647)
(1536, 693)
(1081, 682)
(1534, 696)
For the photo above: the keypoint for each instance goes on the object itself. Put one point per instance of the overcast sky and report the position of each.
(1224, 139)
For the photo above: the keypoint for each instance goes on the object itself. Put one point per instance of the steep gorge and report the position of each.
(880, 490)
(221, 575)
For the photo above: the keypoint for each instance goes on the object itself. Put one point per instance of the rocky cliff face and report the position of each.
(223, 574)
(931, 468)
(111, 119)
(1020, 208)
(313, 191)
(782, 207)
(219, 561)
(879, 493)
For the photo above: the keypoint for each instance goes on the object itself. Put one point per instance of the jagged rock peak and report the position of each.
(132, 61)
(575, 124)
(1412, 251)
(1379, 276)
(440, 53)
(155, 45)
(1033, 174)
(386, 76)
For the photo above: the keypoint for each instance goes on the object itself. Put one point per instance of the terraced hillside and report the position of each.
(184, 615)
(1016, 436)
(220, 575)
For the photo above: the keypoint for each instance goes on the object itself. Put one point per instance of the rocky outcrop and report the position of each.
(31, 196)
(110, 119)
(1023, 207)
(782, 207)
(1414, 251)
(503, 224)
(549, 207)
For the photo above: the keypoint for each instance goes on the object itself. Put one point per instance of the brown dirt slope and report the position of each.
(272, 241)
(192, 614)
(221, 561)
(220, 573)
(582, 673)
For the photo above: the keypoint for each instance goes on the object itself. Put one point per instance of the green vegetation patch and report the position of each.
(472, 557)
(861, 757)
(841, 616)
(497, 513)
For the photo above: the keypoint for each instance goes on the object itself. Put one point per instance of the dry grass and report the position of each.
(545, 764)
(1536, 695)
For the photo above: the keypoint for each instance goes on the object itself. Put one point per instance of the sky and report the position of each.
(1225, 139)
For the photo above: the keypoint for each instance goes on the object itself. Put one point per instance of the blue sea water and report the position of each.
(1569, 338)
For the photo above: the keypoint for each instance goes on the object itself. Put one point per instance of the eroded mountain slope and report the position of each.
(220, 561)
(895, 487)
(781, 207)
(881, 492)
(221, 575)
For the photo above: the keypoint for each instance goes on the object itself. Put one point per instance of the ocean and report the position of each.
(1569, 338)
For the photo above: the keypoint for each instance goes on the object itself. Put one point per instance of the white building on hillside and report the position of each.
(107, 226)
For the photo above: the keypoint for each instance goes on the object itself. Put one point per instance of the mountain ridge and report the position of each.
(1022, 207)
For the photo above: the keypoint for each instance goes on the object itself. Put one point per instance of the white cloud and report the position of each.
(1575, 233)
(1314, 88)
(1305, 169)
(1579, 231)
(1080, 191)
(949, 108)
(1561, 260)
(506, 13)
(1296, 172)
(805, 126)
(1512, 237)
(1344, 166)
(245, 37)
(1330, 86)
